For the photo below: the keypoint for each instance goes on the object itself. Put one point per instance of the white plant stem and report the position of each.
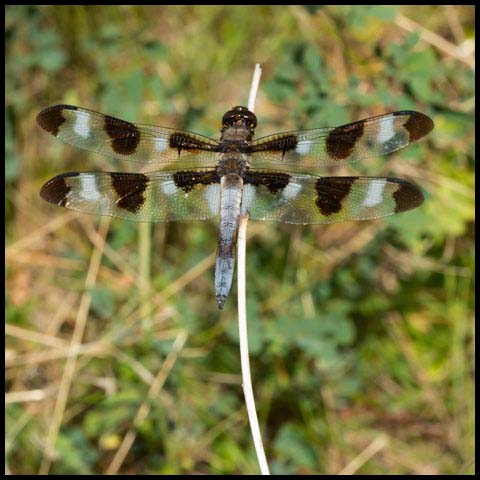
(257, 73)
(242, 314)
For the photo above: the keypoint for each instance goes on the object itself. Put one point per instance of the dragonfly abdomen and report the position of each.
(231, 186)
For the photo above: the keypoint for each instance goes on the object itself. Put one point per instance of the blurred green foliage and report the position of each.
(357, 331)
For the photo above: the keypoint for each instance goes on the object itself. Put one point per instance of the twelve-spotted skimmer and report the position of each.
(206, 178)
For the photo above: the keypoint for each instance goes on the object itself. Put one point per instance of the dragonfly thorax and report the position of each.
(229, 163)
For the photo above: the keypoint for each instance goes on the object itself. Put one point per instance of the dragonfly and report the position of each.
(202, 178)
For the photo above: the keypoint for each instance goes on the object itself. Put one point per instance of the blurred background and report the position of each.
(361, 333)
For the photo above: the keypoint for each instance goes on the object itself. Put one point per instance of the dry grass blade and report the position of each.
(144, 409)
(71, 361)
(363, 457)
(464, 53)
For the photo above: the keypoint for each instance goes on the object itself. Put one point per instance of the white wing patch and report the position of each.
(387, 130)
(88, 187)
(212, 195)
(249, 192)
(291, 190)
(161, 144)
(303, 147)
(374, 195)
(82, 124)
(169, 188)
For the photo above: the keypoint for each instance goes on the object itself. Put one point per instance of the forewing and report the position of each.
(144, 197)
(345, 144)
(307, 199)
(116, 138)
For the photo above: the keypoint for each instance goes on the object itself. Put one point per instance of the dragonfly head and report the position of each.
(240, 117)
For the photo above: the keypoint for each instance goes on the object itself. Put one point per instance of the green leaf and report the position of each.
(75, 454)
(292, 445)
(102, 302)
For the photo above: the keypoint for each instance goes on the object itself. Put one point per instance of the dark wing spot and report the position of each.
(417, 125)
(182, 141)
(407, 196)
(56, 190)
(187, 180)
(282, 143)
(51, 118)
(130, 188)
(124, 136)
(341, 140)
(273, 181)
(331, 192)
